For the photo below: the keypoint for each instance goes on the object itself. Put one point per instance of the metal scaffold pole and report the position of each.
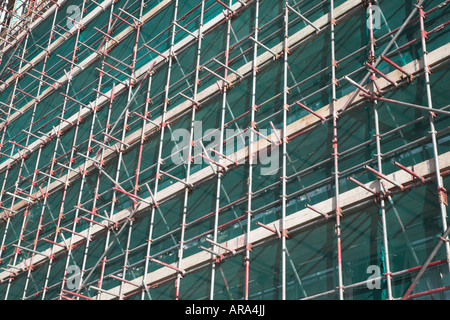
(89, 113)
(136, 185)
(442, 193)
(221, 151)
(373, 80)
(147, 100)
(83, 172)
(130, 83)
(161, 142)
(284, 156)
(195, 106)
(35, 173)
(105, 139)
(22, 163)
(251, 155)
(124, 131)
(338, 210)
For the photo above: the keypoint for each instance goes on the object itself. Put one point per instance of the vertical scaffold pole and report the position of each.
(22, 163)
(250, 149)
(117, 175)
(83, 177)
(107, 127)
(161, 144)
(284, 159)
(221, 151)
(144, 290)
(136, 185)
(190, 147)
(379, 156)
(39, 155)
(335, 154)
(53, 163)
(442, 196)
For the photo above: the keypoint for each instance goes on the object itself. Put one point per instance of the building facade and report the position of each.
(224, 149)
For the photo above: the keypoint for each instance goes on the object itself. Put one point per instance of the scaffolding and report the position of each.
(212, 149)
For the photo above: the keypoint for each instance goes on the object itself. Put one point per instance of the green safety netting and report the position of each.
(413, 218)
